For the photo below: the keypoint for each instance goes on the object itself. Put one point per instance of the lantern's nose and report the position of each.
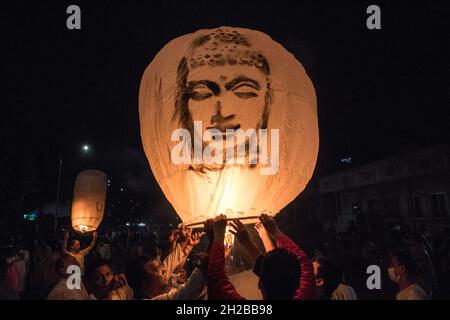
(222, 118)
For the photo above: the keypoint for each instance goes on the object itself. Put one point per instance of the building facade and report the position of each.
(413, 187)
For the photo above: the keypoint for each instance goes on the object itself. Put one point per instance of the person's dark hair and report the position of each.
(330, 273)
(137, 275)
(404, 258)
(91, 268)
(149, 247)
(279, 275)
(93, 265)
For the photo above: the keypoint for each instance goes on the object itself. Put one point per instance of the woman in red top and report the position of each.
(285, 272)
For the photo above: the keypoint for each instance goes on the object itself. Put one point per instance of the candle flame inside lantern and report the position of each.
(229, 237)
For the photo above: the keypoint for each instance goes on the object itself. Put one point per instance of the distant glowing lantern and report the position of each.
(88, 202)
(228, 124)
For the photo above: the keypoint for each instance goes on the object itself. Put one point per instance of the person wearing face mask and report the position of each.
(403, 271)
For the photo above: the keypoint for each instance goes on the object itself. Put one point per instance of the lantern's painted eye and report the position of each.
(245, 90)
(201, 92)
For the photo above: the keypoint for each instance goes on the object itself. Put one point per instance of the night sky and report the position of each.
(379, 92)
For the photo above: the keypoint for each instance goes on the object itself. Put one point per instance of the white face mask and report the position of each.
(392, 276)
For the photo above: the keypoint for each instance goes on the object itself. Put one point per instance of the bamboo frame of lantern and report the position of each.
(253, 218)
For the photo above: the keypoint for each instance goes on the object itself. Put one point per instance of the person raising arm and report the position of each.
(306, 289)
(219, 286)
(241, 233)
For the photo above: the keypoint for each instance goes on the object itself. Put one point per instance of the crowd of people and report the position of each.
(187, 265)
(408, 258)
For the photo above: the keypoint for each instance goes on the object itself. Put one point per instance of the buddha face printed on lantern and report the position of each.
(201, 86)
(223, 84)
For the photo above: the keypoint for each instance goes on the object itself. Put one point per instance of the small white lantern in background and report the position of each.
(88, 204)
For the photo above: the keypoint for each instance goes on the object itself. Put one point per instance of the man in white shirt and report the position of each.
(62, 290)
(149, 276)
(75, 249)
(175, 261)
(104, 285)
(344, 292)
(403, 270)
(412, 292)
(187, 291)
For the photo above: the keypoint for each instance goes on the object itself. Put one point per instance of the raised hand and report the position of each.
(195, 238)
(120, 280)
(240, 231)
(174, 235)
(265, 237)
(219, 226)
(185, 232)
(271, 226)
(259, 227)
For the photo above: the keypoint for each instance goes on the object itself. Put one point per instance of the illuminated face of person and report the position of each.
(182, 276)
(227, 97)
(319, 281)
(316, 268)
(398, 268)
(158, 271)
(103, 276)
(157, 279)
(75, 245)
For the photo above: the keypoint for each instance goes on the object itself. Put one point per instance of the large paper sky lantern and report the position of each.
(88, 203)
(207, 84)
